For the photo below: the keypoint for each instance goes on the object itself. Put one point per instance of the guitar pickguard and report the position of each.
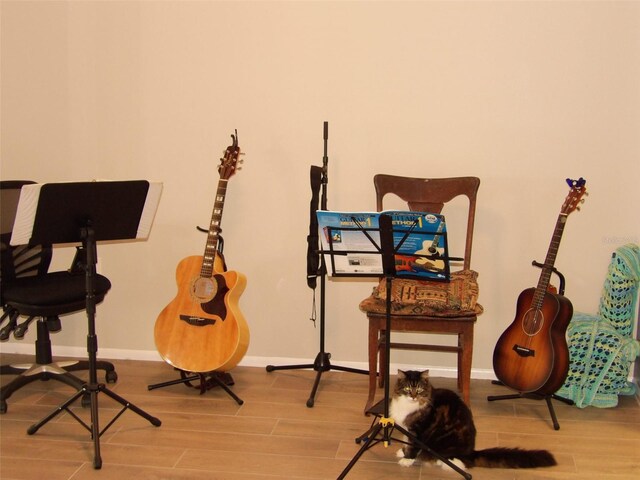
(216, 305)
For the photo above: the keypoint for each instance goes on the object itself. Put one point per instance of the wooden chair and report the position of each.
(428, 195)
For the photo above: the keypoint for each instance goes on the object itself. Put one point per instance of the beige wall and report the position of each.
(521, 94)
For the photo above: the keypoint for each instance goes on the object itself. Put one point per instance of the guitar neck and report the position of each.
(547, 268)
(214, 230)
(436, 237)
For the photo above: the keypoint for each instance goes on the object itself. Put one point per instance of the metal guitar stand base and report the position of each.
(207, 381)
(535, 396)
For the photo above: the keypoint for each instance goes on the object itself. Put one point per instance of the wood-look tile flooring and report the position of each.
(275, 436)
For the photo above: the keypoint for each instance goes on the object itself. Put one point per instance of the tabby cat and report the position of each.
(439, 419)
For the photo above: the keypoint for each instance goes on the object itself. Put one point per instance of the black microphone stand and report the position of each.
(322, 362)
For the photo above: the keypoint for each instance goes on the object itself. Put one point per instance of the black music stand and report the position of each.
(87, 212)
(382, 430)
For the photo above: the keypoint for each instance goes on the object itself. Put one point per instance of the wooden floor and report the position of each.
(275, 436)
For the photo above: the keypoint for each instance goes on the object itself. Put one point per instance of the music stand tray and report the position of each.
(87, 212)
(387, 240)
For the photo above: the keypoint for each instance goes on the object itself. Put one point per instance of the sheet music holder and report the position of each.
(85, 213)
(419, 238)
(387, 240)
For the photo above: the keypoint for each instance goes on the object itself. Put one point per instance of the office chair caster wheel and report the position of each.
(86, 400)
(3, 406)
(111, 377)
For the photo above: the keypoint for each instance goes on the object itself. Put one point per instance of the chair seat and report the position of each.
(455, 298)
(55, 293)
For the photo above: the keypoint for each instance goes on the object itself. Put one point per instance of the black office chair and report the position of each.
(28, 290)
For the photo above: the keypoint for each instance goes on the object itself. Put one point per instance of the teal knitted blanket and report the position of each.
(601, 346)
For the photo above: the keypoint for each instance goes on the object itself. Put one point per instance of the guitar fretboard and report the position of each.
(547, 269)
(214, 231)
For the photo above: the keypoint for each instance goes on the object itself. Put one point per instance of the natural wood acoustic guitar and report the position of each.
(202, 329)
(532, 354)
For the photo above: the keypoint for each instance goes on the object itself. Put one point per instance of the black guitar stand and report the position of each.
(383, 427)
(88, 212)
(207, 380)
(322, 362)
(537, 396)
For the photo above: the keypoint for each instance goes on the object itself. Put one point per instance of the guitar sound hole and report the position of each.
(203, 289)
(532, 321)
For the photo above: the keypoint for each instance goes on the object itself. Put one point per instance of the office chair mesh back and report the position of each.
(22, 260)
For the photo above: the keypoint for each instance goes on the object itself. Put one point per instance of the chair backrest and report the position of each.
(22, 260)
(430, 195)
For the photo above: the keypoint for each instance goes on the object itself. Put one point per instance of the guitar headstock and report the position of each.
(231, 158)
(575, 197)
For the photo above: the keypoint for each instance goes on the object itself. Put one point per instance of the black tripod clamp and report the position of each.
(554, 270)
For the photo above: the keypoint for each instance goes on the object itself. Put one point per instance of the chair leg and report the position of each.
(377, 359)
(465, 357)
(382, 358)
(38, 372)
(373, 370)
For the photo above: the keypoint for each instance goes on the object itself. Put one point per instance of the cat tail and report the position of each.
(509, 458)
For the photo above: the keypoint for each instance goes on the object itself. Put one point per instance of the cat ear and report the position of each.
(424, 375)
(401, 375)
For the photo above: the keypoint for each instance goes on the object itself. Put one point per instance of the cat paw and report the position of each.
(406, 462)
(400, 453)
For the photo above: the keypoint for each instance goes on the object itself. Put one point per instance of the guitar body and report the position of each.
(560, 347)
(532, 354)
(202, 328)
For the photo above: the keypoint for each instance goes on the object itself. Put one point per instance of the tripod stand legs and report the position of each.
(207, 380)
(321, 364)
(381, 432)
(94, 427)
(536, 396)
(369, 439)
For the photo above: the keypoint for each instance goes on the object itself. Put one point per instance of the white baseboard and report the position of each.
(247, 361)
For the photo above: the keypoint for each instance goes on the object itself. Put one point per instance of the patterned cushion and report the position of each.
(418, 297)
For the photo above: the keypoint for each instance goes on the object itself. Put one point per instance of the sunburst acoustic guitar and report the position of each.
(532, 354)
(202, 329)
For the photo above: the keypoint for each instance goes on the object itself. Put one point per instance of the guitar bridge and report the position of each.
(197, 321)
(524, 351)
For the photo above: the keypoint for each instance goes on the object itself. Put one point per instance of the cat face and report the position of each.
(413, 384)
